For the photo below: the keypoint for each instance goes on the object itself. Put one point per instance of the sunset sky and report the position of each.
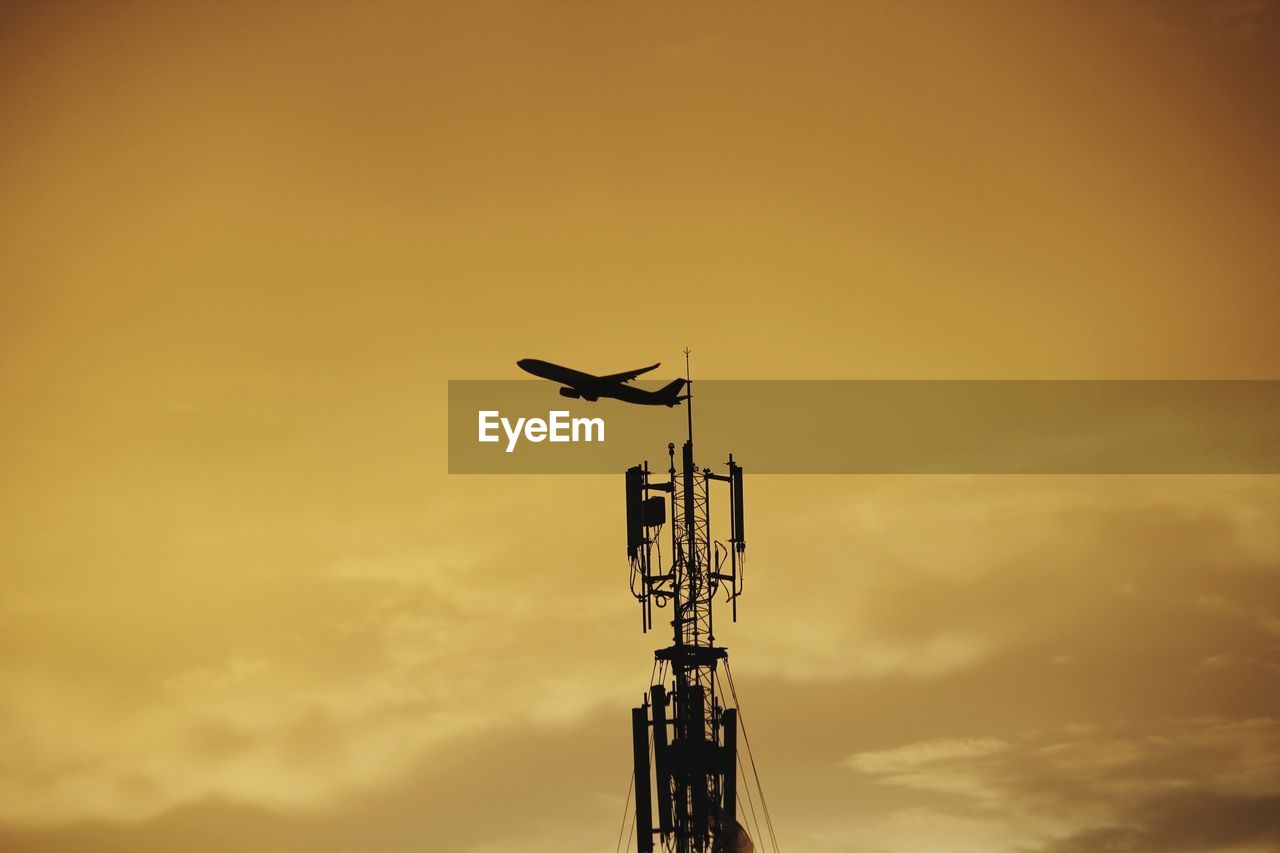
(244, 245)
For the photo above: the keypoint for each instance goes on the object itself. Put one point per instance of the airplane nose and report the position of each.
(524, 363)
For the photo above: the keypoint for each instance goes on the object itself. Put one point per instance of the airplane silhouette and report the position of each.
(584, 386)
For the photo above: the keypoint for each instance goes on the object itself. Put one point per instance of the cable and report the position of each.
(625, 830)
(750, 802)
(626, 808)
(746, 739)
(751, 805)
(768, 819)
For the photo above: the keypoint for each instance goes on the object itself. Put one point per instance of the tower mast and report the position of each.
(685, 721)
(688, 403)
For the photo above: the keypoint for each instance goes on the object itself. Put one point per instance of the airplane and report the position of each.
(591, 388)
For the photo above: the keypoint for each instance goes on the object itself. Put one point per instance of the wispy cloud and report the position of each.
(1104, 787)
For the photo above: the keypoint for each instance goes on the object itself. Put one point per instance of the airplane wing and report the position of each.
(628, 375)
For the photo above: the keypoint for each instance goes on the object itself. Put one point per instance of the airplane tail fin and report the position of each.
(671, 392)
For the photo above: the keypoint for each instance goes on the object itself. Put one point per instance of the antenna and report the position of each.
(686, 717)
(688, 403)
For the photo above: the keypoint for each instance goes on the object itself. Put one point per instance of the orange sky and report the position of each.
(244, 245)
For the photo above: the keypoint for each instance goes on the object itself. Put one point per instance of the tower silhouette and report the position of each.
(686, 797)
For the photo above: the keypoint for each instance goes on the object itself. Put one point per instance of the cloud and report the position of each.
(432, 806)
(1184, 784)
(398, 652)
(1245, 19)
(931, 752)
(382, 647)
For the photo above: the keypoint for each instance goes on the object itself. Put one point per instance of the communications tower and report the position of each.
(686, 799)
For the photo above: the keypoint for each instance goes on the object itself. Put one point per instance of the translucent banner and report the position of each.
(878, 427)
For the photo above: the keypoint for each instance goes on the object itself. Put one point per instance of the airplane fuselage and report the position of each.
(585, 386)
